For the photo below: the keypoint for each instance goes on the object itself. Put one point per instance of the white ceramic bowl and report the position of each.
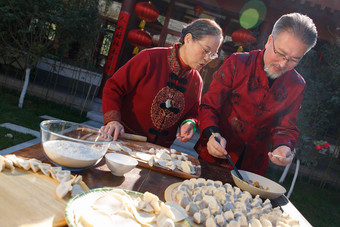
(73, 146)
(274, 189)
(119, 164)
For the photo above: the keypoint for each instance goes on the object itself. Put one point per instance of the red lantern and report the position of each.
(147, 12)
(243, 37)
(139, 38)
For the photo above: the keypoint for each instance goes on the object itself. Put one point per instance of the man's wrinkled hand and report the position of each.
(281, 156)
(215, 148)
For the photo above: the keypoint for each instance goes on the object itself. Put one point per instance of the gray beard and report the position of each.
(270, 74)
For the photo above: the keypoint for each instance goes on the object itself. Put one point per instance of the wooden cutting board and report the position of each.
(138, 146)
(29, 199)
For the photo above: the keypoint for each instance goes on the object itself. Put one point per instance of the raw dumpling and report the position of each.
(34, 164)
(2, 164)
(199, 217)
(45, 168)
(23, 163)
(63, 188)
(192, 208)
(63, 175)
(8, 163)
(220, 220)
(228, 215)
(210, 222)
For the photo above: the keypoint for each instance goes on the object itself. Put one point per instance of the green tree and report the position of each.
(319, 116)
(31, 29)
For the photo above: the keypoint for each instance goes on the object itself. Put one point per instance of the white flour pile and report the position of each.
(71, 154)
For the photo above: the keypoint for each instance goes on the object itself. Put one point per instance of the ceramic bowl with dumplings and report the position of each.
(73, 146)
(119, 164)
(258, 185)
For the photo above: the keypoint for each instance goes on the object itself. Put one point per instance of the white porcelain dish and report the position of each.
(274, 190)
(119, 164)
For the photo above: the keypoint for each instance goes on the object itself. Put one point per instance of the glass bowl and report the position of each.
(73, 146)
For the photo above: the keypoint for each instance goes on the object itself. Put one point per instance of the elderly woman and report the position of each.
(159, 89)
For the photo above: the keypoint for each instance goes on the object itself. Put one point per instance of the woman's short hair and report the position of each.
(300, 25)
(200, 28)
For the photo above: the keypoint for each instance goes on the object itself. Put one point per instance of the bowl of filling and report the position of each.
(73, 146)
(258, 185)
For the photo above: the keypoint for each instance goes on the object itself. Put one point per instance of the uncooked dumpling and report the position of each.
(8, 163)
(34, 164)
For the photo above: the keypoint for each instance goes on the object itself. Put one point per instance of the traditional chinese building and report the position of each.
(256, 16)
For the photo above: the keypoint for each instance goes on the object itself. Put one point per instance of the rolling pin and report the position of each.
(133, 137)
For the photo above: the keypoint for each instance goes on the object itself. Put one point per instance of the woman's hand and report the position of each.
(114, 128)
(217, 149)
(281, 156)
(186, 132)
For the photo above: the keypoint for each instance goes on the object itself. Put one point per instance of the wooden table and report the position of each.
(141, 179)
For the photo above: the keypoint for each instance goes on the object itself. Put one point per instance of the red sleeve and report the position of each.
(123, 82)
(193, 112)
(218, 92)
(286, 131)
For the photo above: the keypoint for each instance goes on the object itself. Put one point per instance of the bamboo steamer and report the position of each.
(29, 199)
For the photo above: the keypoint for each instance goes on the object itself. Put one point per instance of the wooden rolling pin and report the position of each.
(133, 137)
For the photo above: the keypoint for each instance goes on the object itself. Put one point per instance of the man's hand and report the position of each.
(114, 128)
(217, 149)
(186, 132)
(281, 156)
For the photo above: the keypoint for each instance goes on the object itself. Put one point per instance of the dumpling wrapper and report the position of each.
(123, 148)
(178, 212)
(113, 146)
(109, 204)
(144, 156)
(93, 218)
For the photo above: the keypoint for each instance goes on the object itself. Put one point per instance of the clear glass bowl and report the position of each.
(73, 146)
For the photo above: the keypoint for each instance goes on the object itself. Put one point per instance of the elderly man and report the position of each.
(254, 99)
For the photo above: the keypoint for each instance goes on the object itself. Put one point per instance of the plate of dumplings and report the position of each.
(117, 207)
(212, 203)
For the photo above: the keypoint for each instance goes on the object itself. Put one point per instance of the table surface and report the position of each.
(142, 179)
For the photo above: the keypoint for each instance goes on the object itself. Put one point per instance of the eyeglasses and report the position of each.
(211, 55)
(283, 57)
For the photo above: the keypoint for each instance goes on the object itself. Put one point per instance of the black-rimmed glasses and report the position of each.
(283, 57)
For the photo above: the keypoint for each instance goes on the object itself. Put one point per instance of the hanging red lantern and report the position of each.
(242, 37)
(139, 38)
(198, 10)
(147, 12)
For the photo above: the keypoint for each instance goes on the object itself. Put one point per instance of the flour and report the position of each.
(72, 154)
